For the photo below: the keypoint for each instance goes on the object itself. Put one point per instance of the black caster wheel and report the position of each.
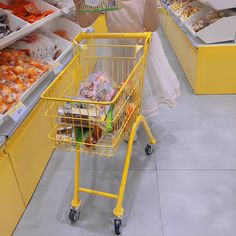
(118, 226)
(74, 215)
(149, 149)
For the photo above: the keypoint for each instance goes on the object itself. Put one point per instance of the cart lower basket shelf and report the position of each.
(95, 101)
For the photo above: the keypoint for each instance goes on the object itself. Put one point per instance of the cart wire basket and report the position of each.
(103, 6)
(95, 126)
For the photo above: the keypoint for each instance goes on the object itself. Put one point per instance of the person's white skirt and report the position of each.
(161, 84)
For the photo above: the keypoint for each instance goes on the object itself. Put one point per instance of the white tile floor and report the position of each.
(187, 188)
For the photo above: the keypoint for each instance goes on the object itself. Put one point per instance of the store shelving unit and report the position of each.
(24, 144)
(209, 66)
(26, 27)
(47, 26)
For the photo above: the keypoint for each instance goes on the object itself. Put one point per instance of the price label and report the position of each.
(18, 111)
(57, 67)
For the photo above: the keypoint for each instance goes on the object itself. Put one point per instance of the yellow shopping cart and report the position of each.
(97, 127)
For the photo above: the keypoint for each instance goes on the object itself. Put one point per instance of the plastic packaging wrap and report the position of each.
(39, 46)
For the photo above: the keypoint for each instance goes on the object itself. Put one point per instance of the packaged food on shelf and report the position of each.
(39, 46)
(4, 26)
(220, 4)
(62, 33)
(179, 5)
(18, 72)
(188, 11)
(167, 2)
(199, 24)
(26, 10)
(212, 26)
(211, 17)
(9, 24)
(26, 27)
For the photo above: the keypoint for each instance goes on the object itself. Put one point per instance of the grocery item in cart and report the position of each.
(65, 133)
(89, 136)
(40, 47)
(210, 18)
(97, 88)
(25, 10)
(18, 72)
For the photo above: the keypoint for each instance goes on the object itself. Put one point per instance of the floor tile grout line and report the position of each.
(201, 170)
(150, 169)
(155, 167)
(159, 201)
(86, 169)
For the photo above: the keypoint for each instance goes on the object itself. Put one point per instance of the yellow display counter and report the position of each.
(29, 150)
(23, 159)
(11, 202)
(210, 69)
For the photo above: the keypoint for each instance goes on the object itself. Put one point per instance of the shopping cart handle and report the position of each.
(82, 36)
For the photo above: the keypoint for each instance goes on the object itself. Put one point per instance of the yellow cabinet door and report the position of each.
(30, 149)
(11, 202)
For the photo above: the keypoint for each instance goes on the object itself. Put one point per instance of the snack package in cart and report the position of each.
(97, 88)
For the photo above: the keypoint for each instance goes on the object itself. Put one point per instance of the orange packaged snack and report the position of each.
(25, 10)
(62, 34)
(18, 72)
